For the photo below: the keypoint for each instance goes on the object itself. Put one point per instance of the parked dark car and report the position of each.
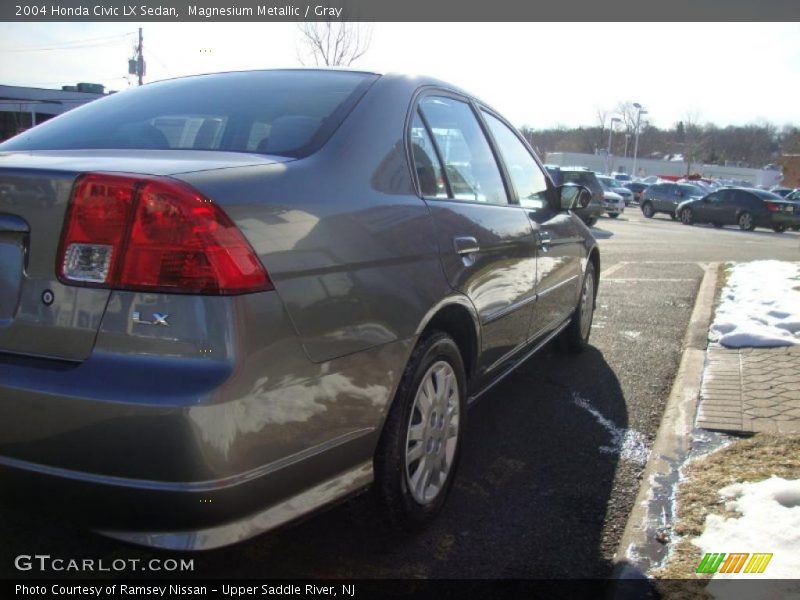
(665, 197)
(637, 188)
(253, 294)
(584, 177)
(746, 207)
(781, 191)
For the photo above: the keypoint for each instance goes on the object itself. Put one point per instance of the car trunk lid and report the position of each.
(40, 316)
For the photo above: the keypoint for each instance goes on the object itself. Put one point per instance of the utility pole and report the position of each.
(136, 65)
(140, 58)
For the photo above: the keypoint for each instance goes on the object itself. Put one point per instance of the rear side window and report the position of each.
(469, 164)
(289, 113)
(526, 175)
(426, 163)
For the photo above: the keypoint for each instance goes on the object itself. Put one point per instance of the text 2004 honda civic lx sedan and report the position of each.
(228, 300)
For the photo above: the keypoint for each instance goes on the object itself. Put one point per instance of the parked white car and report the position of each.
(613, 203)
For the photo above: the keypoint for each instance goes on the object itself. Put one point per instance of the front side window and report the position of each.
(469, 164)
(527, 177)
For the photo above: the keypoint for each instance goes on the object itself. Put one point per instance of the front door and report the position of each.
(559, 247)
(486, 243)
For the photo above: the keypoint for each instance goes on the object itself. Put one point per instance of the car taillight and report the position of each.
(772, 207)
(153, 234)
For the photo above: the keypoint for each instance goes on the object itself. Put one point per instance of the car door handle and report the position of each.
(544, 240)
(466, 245)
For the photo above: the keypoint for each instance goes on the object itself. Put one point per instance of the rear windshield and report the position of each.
(579, 177)
(288, 113)
(692, 190)
(765, 195)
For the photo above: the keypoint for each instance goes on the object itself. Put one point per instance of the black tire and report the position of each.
(745, 221)
(779, 228)
(796, 228)
(687, 217)
(717, 224)
(392, 478)
(673, 216)
(575, 337)
(647, 210)
(591, 221)
(613, 215)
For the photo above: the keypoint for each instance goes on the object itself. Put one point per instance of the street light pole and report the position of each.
(610, 133)
(639, 112)
(627, 139)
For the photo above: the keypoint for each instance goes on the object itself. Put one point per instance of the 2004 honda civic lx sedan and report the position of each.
(228, 300)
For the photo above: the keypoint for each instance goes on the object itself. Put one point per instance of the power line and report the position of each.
(76, 44)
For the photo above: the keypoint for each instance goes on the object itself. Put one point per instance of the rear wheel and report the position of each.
(647, 210)
(687, 218)
(591, 221)
(613, 215)
(717, 224)
(421, 442)
(576, 335)
(745, 221)
(779, 228)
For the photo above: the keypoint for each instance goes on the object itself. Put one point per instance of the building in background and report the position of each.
(766, 177)
(24, 107)
(791, 170)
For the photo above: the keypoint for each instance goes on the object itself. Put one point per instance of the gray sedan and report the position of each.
(229, 300)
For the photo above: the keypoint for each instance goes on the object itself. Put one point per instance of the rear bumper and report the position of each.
(159, 433)
(784, 219)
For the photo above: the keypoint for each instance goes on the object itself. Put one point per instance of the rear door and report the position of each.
(559, 246)
(486, 243)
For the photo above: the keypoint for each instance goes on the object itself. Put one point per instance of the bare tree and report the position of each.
(627, 112)
(602, 116)
(333, 43)
(693, 140)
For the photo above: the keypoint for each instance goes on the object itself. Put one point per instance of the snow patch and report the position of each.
(769, 522)
(629, 444)
(760, 306)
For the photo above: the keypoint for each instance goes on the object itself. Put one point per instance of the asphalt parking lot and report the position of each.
(552, 455)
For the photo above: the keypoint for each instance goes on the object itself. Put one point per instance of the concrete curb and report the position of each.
(672, 440)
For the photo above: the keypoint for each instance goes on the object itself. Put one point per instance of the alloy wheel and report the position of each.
(587, 305)
(432, 434)
(746, 221)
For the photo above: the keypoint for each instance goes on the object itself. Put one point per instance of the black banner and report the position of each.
(622, 589)
(398, 11)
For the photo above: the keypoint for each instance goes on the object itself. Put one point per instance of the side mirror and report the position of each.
(573, 196)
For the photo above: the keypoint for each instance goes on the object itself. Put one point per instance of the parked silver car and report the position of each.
(228, 300)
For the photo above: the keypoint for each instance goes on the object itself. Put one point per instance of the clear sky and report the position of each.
(537, 74)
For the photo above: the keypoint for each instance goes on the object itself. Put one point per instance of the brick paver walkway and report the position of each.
(750, 390)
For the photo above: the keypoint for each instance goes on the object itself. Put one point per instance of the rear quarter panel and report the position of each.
(349, 246)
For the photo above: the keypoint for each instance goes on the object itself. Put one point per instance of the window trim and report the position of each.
(414, 107)
(550, 189)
